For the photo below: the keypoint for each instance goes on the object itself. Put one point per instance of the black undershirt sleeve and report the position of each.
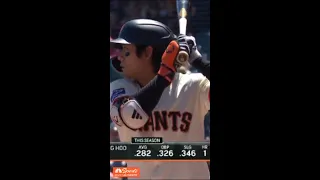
(149, 96)
(203, 66)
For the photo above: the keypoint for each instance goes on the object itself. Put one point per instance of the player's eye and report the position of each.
(125, 51)
(127, 54)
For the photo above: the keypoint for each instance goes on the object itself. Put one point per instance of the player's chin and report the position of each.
(127, 73)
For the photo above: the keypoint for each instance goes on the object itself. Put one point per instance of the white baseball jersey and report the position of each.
(178, 117)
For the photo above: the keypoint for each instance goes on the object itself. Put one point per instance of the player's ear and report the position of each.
(148, 52)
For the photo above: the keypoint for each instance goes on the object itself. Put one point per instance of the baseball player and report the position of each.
(153, 100)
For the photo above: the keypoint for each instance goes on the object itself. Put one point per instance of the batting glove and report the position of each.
(168, 61)
(188, 43)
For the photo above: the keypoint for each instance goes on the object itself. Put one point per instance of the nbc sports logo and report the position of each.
(118, 170)
(128, 172)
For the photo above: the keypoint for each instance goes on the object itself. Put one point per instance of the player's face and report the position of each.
(132, 65)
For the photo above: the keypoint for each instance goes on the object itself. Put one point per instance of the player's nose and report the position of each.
(120, 58)
(119, 55)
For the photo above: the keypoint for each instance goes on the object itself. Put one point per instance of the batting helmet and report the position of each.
(142, 32)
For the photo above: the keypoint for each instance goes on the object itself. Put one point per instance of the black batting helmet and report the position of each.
(142, 32)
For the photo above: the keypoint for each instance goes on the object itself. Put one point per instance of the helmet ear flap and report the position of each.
(116, 64)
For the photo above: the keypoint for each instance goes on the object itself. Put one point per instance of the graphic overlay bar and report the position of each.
(146, 140)
(168, 151)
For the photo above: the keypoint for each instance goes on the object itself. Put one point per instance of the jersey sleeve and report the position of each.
(121, 87)
(203, 85)
(205, 92)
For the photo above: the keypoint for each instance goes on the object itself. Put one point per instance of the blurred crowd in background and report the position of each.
(164, 11)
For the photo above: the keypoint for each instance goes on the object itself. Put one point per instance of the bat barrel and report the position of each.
(182, 6)
(183, 25)
(183, 57)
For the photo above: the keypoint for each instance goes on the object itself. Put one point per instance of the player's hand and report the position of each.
(168, 61)
(188, 44)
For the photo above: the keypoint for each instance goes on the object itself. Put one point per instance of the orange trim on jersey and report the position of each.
(162, 160)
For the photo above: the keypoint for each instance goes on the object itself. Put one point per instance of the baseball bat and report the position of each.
(183, 56)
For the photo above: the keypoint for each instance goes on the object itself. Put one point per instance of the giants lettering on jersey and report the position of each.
(168, 120)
